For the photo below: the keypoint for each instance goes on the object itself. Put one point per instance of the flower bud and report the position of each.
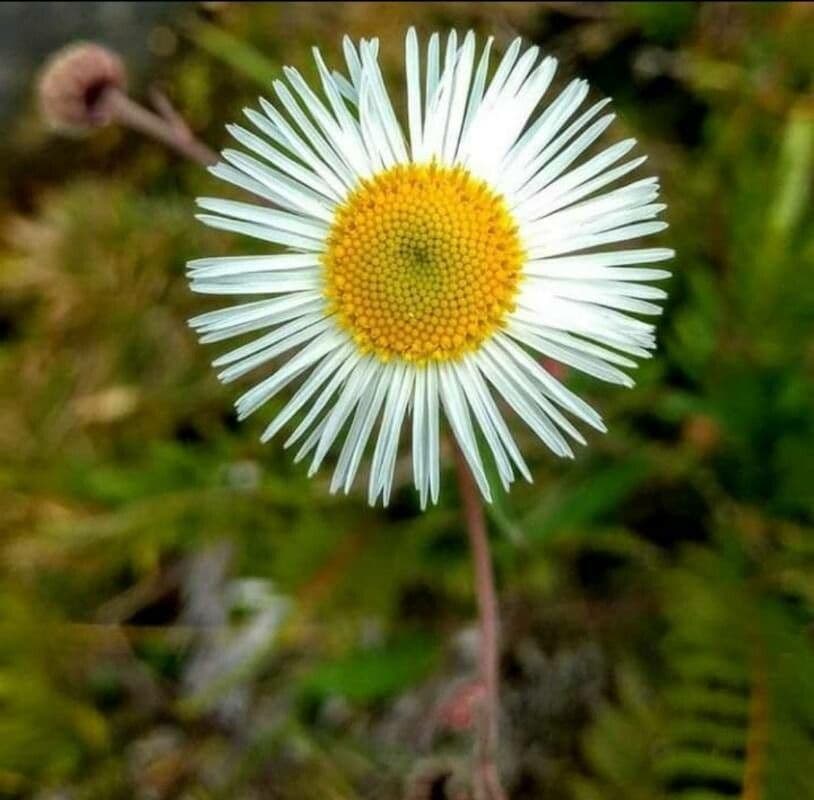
(73, 84)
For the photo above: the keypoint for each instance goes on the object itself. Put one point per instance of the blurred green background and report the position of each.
(184, 615)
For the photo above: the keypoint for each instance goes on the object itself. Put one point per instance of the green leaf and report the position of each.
(369, 674)
(235, 52)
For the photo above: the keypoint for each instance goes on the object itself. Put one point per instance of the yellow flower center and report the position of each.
(423, 263)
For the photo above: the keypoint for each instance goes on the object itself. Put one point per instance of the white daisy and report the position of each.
(422, 275)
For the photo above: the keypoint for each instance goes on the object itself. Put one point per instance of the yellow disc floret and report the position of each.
(422, 263)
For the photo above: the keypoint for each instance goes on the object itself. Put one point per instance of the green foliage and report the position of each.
(45, 733)
(659, 22)
(236, 53)
(732, 711)
(184, 614)
(371, 673)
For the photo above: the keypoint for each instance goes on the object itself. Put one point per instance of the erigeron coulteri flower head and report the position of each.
(419, 272)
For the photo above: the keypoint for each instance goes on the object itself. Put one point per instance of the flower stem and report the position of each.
(487, 778)
(166, 127)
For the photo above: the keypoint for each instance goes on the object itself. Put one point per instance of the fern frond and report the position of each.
(757, 737)
(733, 713)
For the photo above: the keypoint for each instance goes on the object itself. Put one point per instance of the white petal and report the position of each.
(520, 72)
(392, 129)
(623, 288)
(593, 214)
(342, 359)
(299, 173)
(600, 324)
(438, 104)
(229, 174)
(247, 265)
(281, 332)
(484, 422)
(293, 194)
(458, 99)
(455, 407)
(480, 394)
(351, 393)
(580, 345)
(518, 163)
(349, 125)
(548, 194)
(419, 428)
(540, 190)
(433, 463)
(504, 381)
(281, 220)
(261, 283)
(355, 442)
(346, 88)
(243, 313)
(272, 123)
(291, 311)
(310, 354)
(496, 128)
(535, 147)
(293, 337)
(389, 460)
(352, 60)
(550, 386)
(336, 380)
(317, 153)
(375, 141)
(614, 219)
(327, 140)
(489, 98)
(478, 86)
(262, 232)
(412, 68)
(589, 292)
(394, 408)
(546, 246)
(595, 265)
(573, 358)
(432, 69)
(502, 72)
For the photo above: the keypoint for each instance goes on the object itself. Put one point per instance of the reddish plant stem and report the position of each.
(167, 127)
(487, 778)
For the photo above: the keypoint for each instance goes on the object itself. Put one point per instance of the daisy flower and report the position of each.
(419, 272)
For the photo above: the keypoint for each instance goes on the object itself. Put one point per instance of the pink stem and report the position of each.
(167, 131)
(487, 778)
